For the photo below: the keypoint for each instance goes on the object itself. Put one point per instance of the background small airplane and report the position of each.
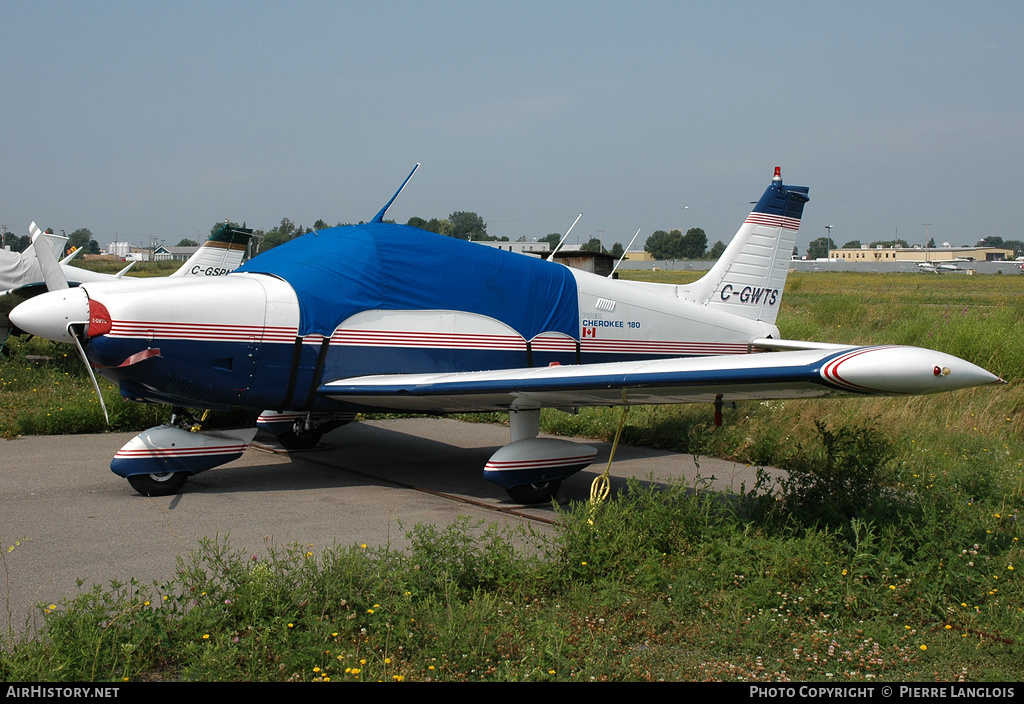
(386, 317)
(21, 276)
(939, 267)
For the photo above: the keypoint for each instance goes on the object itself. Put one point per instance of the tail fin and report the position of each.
(220, 254)
(55, 243)
(45, 246)
(749, 277)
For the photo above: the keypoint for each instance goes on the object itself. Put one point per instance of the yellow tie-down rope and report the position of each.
(196, 427)
(601, 486)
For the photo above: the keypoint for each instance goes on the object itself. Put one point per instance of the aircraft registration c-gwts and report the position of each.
(381, 317)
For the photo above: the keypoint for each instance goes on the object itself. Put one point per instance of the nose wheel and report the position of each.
(305, 440)
(163, 484)
(540, 493)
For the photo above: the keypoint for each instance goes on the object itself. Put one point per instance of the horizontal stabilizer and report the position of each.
(74, 253)
(124, 271)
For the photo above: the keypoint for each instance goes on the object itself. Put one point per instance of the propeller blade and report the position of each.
(92, 375)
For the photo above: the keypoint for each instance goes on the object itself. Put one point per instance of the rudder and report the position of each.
(220, 254)
(749, 277)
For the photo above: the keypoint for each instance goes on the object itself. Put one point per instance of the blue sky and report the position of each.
(141, 119)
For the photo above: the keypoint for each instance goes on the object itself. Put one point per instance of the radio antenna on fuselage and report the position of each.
(624, 253)
(379, 217)
(559, 245)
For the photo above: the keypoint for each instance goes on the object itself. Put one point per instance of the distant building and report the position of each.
(178, 254)
(536, 248)
(640, 256)
(118, 249)
(570, 254)
(126, 251)
(864, 253)
(595, 262)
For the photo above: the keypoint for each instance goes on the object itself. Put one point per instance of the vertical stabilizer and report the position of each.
(749, 277)
(219, 255)
(55, 243)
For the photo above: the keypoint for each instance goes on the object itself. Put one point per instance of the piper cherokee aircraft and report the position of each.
(21, 275)
(380, 317)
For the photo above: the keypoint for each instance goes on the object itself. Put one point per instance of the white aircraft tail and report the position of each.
(219, 255)
(56, 243)
(749, 277)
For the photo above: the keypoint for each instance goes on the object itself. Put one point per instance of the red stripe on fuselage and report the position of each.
(203, 332)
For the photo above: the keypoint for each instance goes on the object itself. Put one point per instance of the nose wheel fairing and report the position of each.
(535, 467)
(168, 448)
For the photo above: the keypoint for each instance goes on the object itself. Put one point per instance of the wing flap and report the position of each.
(774, 345)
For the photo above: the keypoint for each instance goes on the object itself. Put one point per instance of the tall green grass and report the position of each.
(663, 583)
(44, 390)
(139, 269)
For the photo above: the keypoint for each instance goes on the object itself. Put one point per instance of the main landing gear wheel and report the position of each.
(535, 493)
(296, 441)
(163, 484)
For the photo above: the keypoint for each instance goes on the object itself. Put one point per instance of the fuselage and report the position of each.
(245, 339)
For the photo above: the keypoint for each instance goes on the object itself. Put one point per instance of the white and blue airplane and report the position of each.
(939, 266)
(381, 317)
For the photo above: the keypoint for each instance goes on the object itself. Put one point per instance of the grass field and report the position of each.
(139, 269)
(891, 553)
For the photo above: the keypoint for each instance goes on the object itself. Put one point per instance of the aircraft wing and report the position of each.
(847, 371)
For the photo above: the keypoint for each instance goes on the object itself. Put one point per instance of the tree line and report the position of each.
(79, 239)
(675, 245)
(467, 225)
(464, 225)
(461, 224)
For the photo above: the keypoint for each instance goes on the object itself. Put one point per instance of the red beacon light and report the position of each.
(777, 178)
